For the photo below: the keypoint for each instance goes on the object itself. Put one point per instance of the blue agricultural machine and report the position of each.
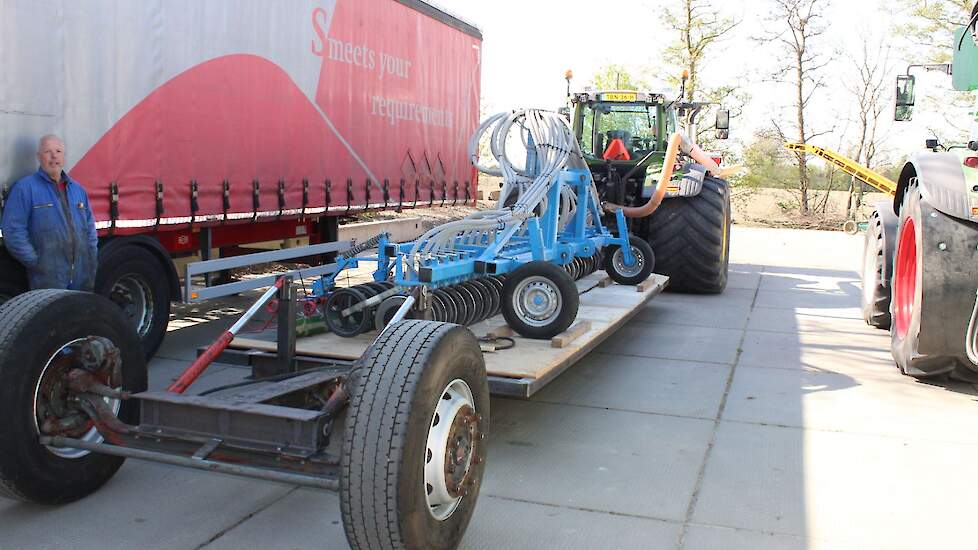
(521, 258)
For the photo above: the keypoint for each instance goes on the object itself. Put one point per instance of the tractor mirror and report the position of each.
(904, 98)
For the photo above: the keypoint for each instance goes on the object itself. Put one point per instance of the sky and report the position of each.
(527, 47)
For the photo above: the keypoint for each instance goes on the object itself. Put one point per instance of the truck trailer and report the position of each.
(196, 126)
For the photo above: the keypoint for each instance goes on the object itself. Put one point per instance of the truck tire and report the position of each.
(35, 329)
(691, 239)
(540, 300)
(132, 277)
(933, 286)
(415, 442)
(876, 291)
(614, 262)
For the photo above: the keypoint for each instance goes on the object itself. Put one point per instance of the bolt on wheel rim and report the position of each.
(135, 297)
(537, 301)
(51, 394)
(628, 270)
(450, 452)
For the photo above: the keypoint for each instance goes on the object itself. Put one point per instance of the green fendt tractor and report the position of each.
(632, 140)
(920, 264)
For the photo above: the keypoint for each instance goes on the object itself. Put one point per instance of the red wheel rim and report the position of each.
(905, 278)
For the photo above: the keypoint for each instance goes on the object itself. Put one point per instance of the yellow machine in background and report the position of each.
(878, 181)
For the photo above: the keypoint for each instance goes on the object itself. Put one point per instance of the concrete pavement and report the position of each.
(765, 418)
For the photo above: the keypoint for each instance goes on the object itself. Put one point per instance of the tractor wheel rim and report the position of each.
(537, 301)
(43, 393)
(628, 270)
(450, 451)
(135, 297)
(905, 278)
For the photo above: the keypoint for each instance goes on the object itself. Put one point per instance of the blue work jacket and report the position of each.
(55, 239)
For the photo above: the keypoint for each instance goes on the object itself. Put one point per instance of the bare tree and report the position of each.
(800, 24)
(698, 25)
(868, 86)
(930, 24)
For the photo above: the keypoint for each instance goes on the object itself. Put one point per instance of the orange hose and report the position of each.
(672, 151)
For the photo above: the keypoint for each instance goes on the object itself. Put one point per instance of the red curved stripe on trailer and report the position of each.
(238, 117)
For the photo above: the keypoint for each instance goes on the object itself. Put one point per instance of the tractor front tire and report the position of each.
(691, 239)
(876, 291)
(415, 442)
(35, 329)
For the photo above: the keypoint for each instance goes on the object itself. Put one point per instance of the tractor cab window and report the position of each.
(619, 131)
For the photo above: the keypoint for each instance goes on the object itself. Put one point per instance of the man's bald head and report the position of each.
(51, 155)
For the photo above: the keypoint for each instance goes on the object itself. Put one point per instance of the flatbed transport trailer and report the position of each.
(201, 126)
(391, 409)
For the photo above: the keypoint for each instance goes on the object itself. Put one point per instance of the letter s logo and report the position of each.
(319, 20)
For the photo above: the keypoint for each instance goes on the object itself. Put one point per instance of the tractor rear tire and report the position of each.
(934, 270)
(34, 328)
(876, 291)
(419, 399)
(691, 239)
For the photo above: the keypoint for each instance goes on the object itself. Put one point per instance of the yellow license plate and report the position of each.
(619, 96)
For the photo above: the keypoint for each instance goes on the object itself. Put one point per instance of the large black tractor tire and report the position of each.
(419, 405)
(691, 239)
(934, 277)
(877, 259)
(132, 277)
(614, 262)
(540, 300)
(34, 328)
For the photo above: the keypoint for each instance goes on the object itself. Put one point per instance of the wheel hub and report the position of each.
(135, 298)
(638, 262)
(78, 367)
(537, 301)
(451, 450)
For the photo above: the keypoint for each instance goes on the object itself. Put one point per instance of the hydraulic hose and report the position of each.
(672, 151)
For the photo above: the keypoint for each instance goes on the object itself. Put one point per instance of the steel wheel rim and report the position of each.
(449, 452)
(135, 298)
(90, 436)
(537, 301)
(905, 278)
(628, 270)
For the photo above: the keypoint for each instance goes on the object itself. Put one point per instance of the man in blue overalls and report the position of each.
(48, 224)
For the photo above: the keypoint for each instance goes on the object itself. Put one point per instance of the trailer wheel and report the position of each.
(614, 262)
(925, 297)
(415, 440)
(691, 239)
(131, 277)
(876, 291)
(39, 333)
(540, 300)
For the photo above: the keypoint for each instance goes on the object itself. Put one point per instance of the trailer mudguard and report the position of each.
(942, 183)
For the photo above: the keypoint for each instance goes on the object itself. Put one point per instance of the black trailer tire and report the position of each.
(875, 299)
(691, 239)
(34, 327)
(135, 280)
(402, 381)
(630, 275)
(540, 300)
(934, 269)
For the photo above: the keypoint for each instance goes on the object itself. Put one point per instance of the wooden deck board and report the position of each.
(606, 309)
